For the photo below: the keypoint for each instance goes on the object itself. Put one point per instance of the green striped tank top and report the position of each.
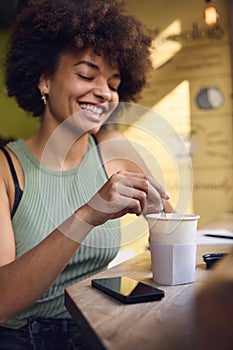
(49, 197)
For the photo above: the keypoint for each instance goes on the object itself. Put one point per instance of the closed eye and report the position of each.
(113, 88)
(90, 78)
(84, 77)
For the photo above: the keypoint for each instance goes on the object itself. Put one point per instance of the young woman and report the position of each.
(64, 189)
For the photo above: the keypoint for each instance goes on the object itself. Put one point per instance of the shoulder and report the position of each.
(108, 135)
(6, 185)
(5, 180)
(8, 168)
(7, 245)
(9, 157)
(3, 165)
(112, 143)
(118, 153)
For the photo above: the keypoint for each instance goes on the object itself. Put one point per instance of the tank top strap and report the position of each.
(18, 191)
(99, 154)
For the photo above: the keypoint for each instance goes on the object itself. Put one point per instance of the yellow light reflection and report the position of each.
(164, 47)
(175, 108)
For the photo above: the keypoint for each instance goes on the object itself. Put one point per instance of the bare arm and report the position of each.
(26, 278)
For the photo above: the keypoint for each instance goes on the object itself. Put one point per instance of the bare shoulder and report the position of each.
(6, 183)
(113, 143)
(7, 245)
(7, 186)
(3, 167)
(118, 153)
(106, 135)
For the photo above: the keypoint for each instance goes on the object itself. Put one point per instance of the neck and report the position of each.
(62, 149)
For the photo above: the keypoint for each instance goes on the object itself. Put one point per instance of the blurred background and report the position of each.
(190, 92)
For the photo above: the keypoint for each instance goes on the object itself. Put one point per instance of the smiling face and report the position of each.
(84, 84)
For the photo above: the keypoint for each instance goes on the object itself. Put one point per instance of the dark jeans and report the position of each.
(43, 334)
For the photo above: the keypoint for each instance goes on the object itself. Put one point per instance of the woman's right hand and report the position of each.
(124, 192)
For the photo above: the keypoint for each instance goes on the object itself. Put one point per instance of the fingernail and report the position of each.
(167, 195)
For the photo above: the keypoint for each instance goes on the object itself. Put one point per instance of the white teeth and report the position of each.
(91, 108)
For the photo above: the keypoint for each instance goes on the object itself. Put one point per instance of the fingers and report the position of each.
(142, 188)
(159, 188)
(123, 193)
(132, 198)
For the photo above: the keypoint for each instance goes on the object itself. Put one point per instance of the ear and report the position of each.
(44, 84)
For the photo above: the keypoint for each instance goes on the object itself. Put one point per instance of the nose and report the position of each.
(102, 90)
(103, 94)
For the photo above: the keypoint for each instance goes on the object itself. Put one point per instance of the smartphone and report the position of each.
(127, 290)
(212, 258)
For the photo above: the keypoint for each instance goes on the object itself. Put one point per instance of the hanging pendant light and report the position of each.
(210, 13)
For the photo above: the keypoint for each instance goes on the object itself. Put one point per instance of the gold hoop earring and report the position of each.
(44, 98)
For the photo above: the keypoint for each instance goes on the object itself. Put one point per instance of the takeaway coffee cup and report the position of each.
(172, 240)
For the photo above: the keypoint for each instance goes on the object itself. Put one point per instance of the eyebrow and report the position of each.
(94, 66)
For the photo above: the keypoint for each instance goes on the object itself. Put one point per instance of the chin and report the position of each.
(90, 130)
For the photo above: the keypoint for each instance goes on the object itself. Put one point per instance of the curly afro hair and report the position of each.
(46, 29)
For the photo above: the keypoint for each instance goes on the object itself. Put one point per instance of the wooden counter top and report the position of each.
(166, 324)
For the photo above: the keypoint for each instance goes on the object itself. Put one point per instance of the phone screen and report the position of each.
(127, 289)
